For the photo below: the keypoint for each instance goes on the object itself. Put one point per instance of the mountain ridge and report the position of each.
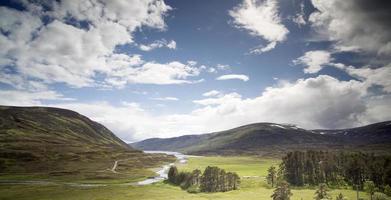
(271, 137)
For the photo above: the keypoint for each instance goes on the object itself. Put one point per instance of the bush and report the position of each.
(380, 196)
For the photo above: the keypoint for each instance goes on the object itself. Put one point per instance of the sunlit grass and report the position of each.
(251, 188)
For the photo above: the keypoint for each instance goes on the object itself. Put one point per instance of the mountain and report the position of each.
(57, 141)
(271, 138)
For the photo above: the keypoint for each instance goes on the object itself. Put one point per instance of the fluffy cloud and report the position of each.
(260, 18)
(370, 76)
(233, 76)
(158, 44)
(79, 40)
(291, 103)
(299, 17)
(355, 24)
(320, 102)
(314, 60)
(151, 73)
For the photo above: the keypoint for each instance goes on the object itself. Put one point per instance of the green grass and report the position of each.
(251, 188)
(244, 166)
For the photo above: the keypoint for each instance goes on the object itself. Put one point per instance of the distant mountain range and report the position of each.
(271, 138)
(60, 141)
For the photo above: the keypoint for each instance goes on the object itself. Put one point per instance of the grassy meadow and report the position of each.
(253, 186)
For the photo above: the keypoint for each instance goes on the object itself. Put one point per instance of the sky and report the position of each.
(157, 68)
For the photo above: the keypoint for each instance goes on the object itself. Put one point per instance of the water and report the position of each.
(162, 173)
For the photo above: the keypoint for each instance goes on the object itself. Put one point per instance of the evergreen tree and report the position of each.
(322, 192)
(172, 174)
(271, 175)
(236, 181)
(370, 188)
(336, 169)
(340, 197)
(206, 182)
(282, 192)
(387, 190)
(196, 177)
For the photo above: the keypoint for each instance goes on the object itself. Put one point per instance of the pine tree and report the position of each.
(196, 177)
(172, 174)
(282, 192)
(322, 192)
(370, 188)
(205, 185)
(271, 175)
(387, 190)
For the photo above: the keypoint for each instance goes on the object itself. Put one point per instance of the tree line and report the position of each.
(335, 169)
(213, 179)
(368, 172)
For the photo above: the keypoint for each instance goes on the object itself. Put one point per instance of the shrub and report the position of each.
(379, 196)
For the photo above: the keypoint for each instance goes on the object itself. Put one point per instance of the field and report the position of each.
(252, 187)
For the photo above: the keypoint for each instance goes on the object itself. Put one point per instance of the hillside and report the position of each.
(61, 142)
(270, 138)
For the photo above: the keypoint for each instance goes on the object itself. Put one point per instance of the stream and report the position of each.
(162, 173)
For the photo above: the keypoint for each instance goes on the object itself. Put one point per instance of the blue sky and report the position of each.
(165, 68)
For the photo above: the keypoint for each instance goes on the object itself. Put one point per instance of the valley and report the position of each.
(252, 171)
(55, 153)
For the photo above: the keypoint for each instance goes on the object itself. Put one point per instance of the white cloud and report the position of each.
(212, 70)
(193, 63)
(165, 99)
(158, 44)
(261, 49)
(233, 76)
(63, 52)
(156, 73)
(23, 98)
(211, 93)
(260, 18)
(354, 25)
(314, 61)
(370, 76)
(216, 69)
(220, 99)
(299, 17)
(171, 44)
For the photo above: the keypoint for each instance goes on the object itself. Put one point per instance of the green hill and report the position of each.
(271, 138)
(59, 142)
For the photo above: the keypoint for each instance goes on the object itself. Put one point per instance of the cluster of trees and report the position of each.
(213, 179)
(335, 169)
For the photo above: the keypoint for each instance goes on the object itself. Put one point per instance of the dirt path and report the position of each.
(114, 167)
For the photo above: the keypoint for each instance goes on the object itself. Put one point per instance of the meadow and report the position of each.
(252, 170)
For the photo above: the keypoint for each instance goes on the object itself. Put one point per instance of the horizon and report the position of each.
(160, 69)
